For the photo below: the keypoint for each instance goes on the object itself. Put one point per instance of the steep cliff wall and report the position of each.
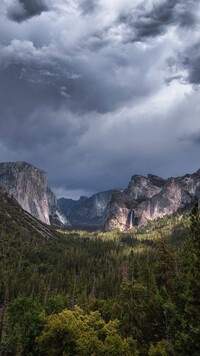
(28, 185)
(55, 215)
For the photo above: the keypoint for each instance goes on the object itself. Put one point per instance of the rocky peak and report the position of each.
(83, 198)
(141, 188)
(155, 180)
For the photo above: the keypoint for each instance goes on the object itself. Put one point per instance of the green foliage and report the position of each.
(55, 303)
(23, 325)
(77, 333)
(162, 348)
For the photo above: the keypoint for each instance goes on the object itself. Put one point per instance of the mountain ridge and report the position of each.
(146, 202)
(146, 198)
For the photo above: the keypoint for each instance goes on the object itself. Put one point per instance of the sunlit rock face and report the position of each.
(55, 215)
(28, 185)
(117, 212)
(141, 188)
(150, 198)
(122, 205)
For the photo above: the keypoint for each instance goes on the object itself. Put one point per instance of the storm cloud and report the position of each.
(20, 10)
(153, 20)
(95, 91)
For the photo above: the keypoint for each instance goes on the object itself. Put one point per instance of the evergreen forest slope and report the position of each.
(81, 293)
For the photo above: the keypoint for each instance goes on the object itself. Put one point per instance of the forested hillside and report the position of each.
(81, 293)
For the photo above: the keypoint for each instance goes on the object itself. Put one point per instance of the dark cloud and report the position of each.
(144, 22)
(93, 92)
(84, 88)
(33, 111)
(154, 22)
(196, 138)
(185, 13)
(169, 79)
(24, 9)
(193, 137)
(191, 62)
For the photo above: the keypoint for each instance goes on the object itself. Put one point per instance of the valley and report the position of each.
(69, 291)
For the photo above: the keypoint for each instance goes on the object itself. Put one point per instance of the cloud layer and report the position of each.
(94, 91)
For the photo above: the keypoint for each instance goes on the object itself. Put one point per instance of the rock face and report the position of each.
(55, 215)
(150, 198)
(28, 185)
(66, 205)
(87, 212)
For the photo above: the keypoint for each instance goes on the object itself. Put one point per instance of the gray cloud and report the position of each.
(191, 61)
(21, 10)
(193, 137)
(144, 22)
(88, 6)
(150, 23)
(196, 138)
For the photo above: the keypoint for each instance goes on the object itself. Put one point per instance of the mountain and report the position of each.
(87, 212)
(145, 199)
(149, 198)
(66, 205)
(28, 185)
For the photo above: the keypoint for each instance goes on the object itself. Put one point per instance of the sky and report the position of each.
(94, 91)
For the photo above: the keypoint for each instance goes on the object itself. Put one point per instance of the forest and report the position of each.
(95, 293)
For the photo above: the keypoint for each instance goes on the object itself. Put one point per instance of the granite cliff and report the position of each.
(28, 185)
(150, 198)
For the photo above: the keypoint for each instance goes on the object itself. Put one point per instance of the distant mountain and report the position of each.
(28, 185)
(149, 198)
(87, 212)
(66, 205)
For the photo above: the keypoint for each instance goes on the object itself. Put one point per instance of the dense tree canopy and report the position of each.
(81, 293)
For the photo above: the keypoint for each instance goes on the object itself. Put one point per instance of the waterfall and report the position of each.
(131, 220)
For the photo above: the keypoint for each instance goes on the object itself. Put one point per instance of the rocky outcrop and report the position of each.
(141, 188)
(66, 205)
(87, 212)
(28, 185)
(55, 215)
(121, 207)
(150, 198)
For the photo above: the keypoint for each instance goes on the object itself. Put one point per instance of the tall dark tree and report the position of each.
(188, 339)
